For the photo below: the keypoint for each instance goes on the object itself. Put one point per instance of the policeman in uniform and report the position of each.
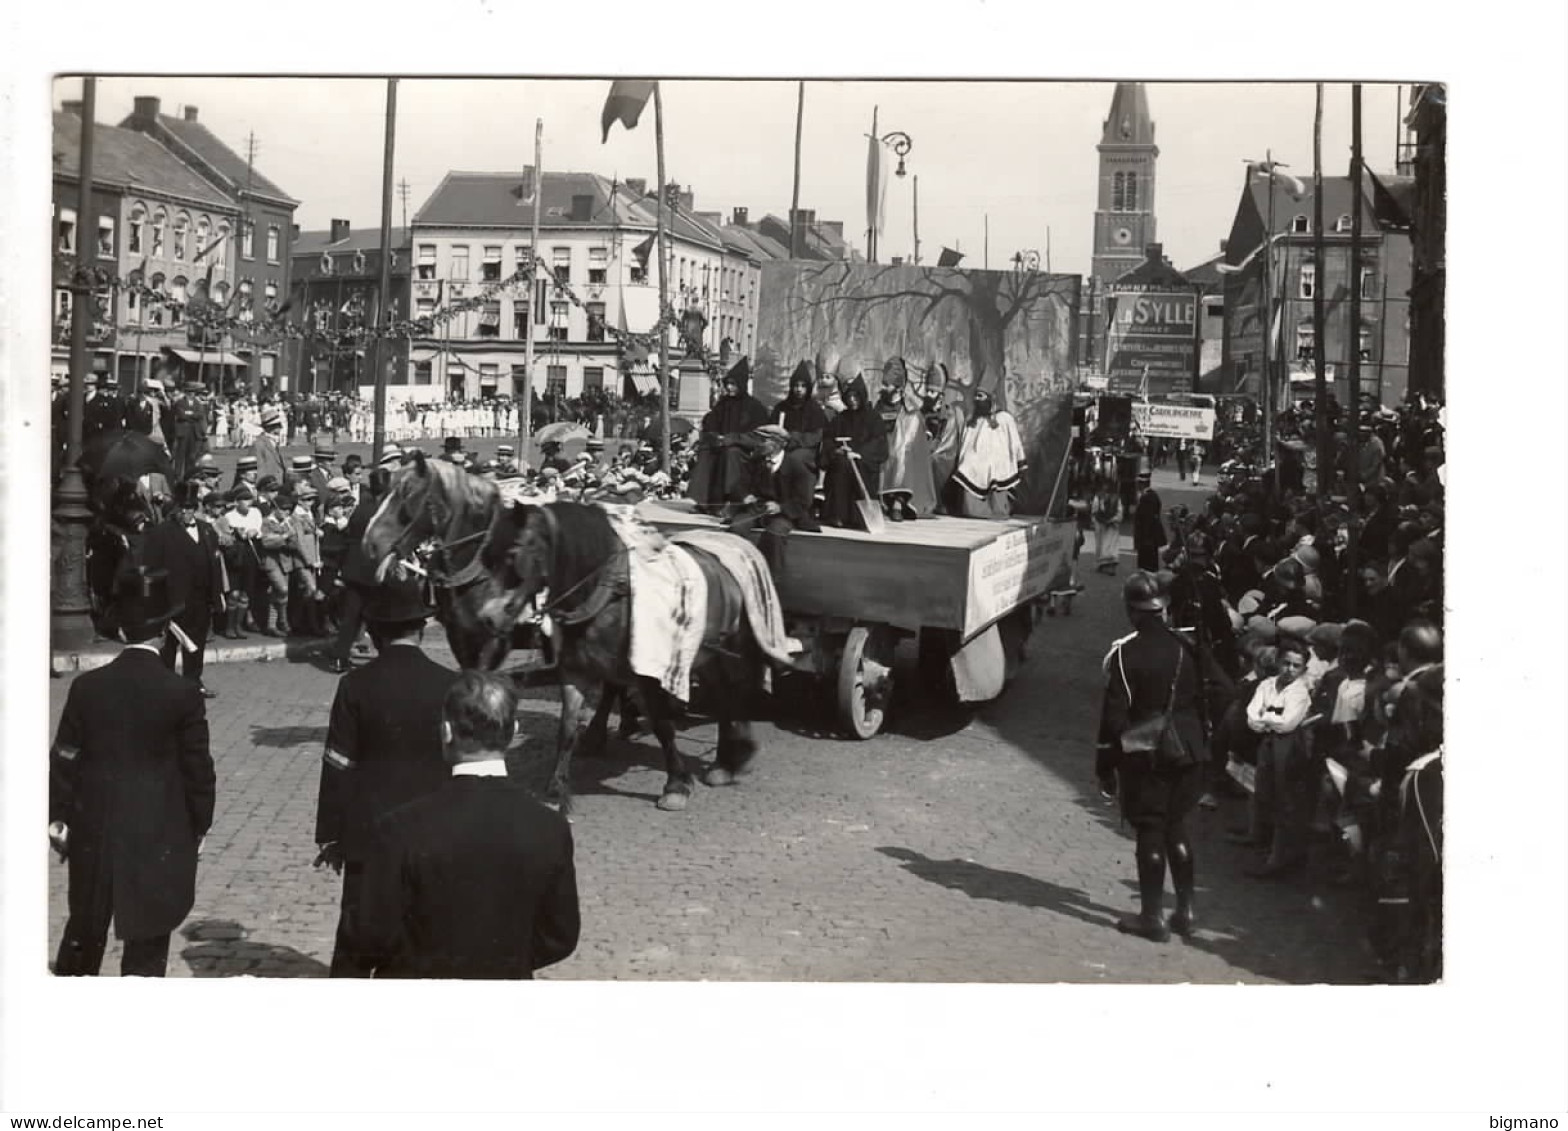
(1149, 673)
(383, 749)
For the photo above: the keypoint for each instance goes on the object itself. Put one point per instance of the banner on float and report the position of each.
(1174, 421)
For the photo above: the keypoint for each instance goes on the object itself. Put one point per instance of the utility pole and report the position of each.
(1047, 249)
(987, 259)
(525, 422)
(1356, 176)
(873, 191)
(1267, 296)
(916, 255)
(381, 351)
(664, 337)
(1320, 265)
(248, 223)
(70, 624)
(402, 191)
(794, 204)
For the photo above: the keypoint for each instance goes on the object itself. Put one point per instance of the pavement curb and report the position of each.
(74, 663)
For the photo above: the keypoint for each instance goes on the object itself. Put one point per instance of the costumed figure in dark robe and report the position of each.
(908, 485)
(800, 415)
(721, 476)
(991, 461)
(857, 437)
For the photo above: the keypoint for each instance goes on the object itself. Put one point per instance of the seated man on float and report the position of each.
(783, 493)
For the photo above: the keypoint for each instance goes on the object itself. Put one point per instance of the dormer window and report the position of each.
(1300, 226)
(359, 263)
(326, 264)
(1342, 224)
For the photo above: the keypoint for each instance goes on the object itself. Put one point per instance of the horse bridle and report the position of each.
(465, 576)
(595, 603)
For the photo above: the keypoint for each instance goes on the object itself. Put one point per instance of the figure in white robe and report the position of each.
(991, 462)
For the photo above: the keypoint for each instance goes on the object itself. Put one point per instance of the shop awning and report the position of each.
(644, 383)
(211, 357)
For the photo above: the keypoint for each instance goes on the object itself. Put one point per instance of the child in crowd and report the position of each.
(1281, 800)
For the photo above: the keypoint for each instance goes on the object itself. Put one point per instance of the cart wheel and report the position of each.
(865, 680)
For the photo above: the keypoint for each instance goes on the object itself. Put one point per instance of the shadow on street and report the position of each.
(219, 948)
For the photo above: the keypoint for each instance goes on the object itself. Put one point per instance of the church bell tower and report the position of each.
(1124, 213)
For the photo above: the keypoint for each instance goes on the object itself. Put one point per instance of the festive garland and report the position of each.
(214, 321)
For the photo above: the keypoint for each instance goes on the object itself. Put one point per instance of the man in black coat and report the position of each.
(358, 571)
(131, 789)
(383, 749)
(1148, 675)
(1148, 526)
(476, 879)
(784, 488)
(102, 409)
(188, 549)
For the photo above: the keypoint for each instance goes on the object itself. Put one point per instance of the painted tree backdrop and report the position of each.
(1010, 333)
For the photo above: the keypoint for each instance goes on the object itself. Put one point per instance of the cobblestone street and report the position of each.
(961, 846)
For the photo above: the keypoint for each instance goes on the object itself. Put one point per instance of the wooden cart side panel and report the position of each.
(873, 583)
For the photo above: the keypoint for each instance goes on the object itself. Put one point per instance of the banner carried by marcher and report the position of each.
(1150, 334)
(1174, 421)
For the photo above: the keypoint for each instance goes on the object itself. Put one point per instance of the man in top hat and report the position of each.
(131, 789)
(475, 879)
(268, 446)
(452, 450)
(246, 471)
(102, 410)
(187, 550)
(189, 442)
(383, 750)
(1148, 526)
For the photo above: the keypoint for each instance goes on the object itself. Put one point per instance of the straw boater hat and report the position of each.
(338, 485)
(152, 385)
(207, 466)
(302, 464)
(326, 453)
(505, 450)
(271, 417)
(391, 456)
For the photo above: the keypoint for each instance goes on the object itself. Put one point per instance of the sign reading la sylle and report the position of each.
(1149, 330)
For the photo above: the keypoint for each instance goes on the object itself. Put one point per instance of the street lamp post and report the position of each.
(71, 611)
(1026, 262)
(901, 144)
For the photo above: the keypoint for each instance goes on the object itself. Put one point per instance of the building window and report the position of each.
(1132, 192)
(593, 377)
(106, 237)
(490, 269)
(520, 320)
(269, 365)
(65, 230)
(424, 373)
(561, 259)
(459, 262)
(157, 305)
(555, 381)
(489, 375)
(220, 294)
(490, 319)
(639, 272)
(246, 310)
(182, 231)
(177, 293)
(273, 243)
(133, 233)
(1309, 280)
(1342, 224)
(558, 324)
(247, 240)
(598, 265)
(269, 296)
(1369, 282)
(160, 224)
(203, 243)
(220, 249)
(522, 262)
(426, 268)
(359, 263)
(424, 307)
(62, 310)
(325, 265)
(1300, 226)
(595, 321)
(1365, 343)
(1305, 339)
(519, 375)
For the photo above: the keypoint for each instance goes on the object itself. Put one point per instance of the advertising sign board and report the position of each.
(1150, 332)
(1174, 421)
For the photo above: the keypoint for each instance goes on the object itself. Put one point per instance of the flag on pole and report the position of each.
(876, 182)
(625, 104)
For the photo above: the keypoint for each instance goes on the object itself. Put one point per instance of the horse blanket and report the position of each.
(669, 600)
(749, 568)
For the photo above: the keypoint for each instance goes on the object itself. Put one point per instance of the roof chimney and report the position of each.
(190, 113)
(72, 106)
(582, 208)
(340, 230)
(1155, 252)
(740, 217)
(145, 109)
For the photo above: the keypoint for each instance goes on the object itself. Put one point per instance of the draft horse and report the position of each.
(565, 560)
(438, 504)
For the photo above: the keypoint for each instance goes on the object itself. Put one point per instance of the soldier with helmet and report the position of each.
(1154, 683)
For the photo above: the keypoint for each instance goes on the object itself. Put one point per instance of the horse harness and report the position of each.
(617, 586)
